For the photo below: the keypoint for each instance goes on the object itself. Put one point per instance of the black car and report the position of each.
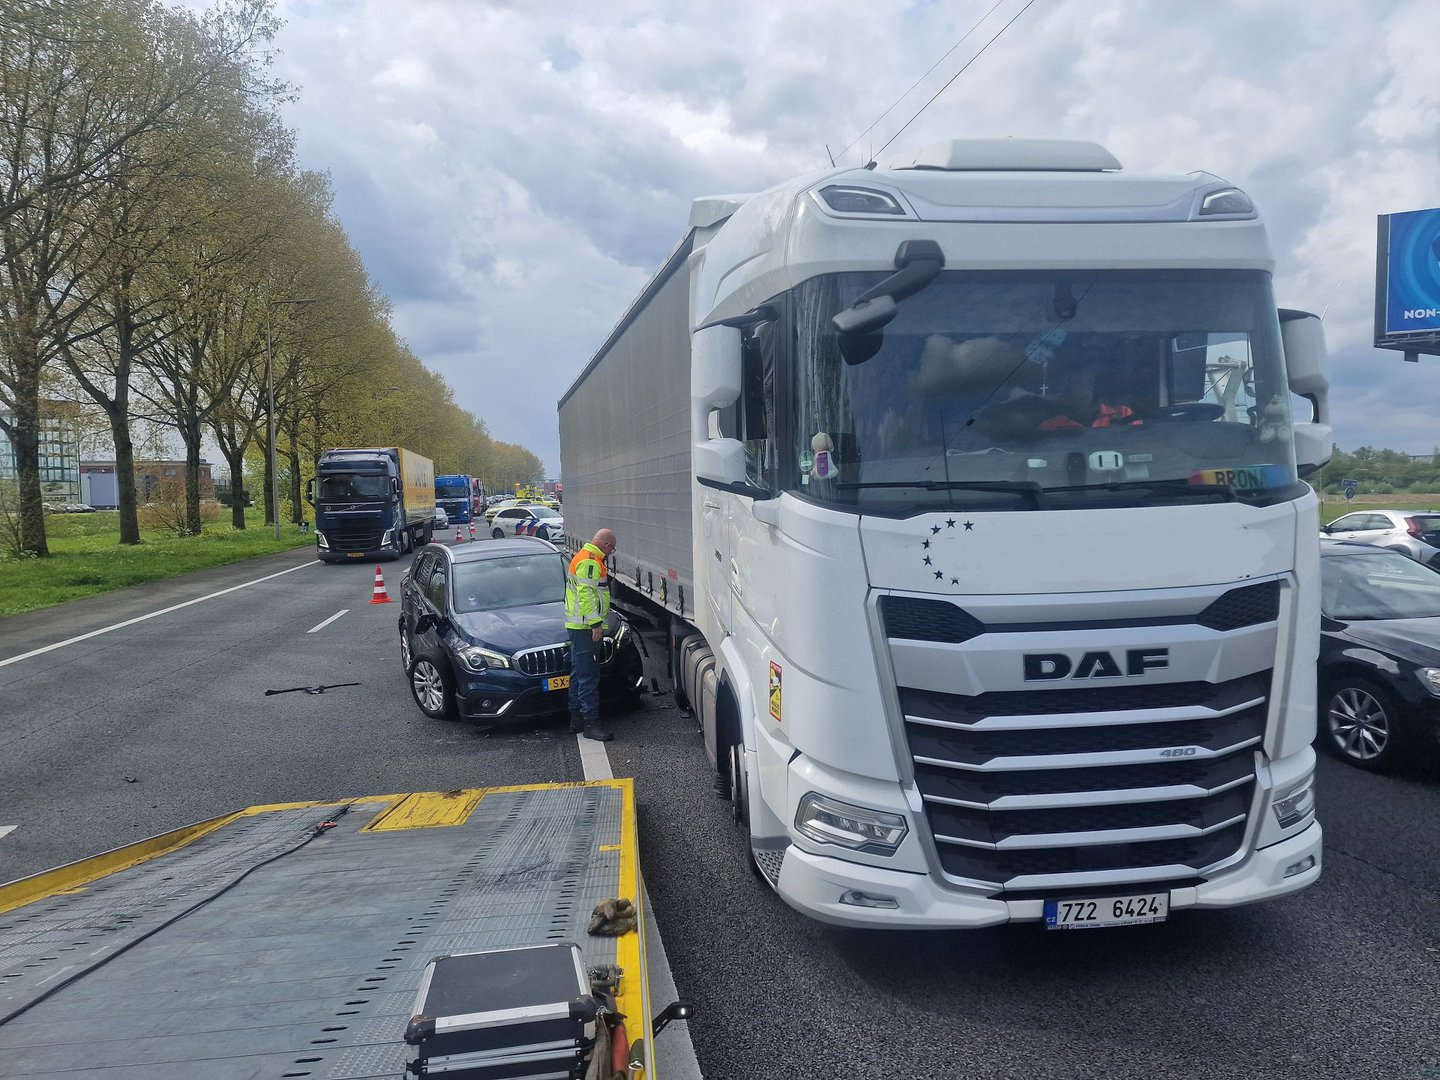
(1379, 654)
(482, 634)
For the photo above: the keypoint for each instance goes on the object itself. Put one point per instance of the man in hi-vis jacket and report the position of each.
(587, 602)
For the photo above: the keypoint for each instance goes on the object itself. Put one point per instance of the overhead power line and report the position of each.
(952, 78)
(918, 81)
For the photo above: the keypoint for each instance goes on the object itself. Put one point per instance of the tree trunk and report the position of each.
(25, 437)
(190, 434)
(236, 464)
(125, 478)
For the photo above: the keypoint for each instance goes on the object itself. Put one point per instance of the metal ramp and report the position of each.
(289, 941)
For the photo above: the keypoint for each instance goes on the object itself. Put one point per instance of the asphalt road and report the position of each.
(166, 721)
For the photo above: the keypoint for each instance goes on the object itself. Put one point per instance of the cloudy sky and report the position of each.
(514, 171)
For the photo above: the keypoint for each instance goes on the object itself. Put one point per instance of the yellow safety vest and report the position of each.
(587, 589)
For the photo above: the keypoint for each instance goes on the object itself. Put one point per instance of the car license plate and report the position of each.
(1106, 911)
(559, 682)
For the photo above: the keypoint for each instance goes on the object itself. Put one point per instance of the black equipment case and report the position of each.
(503, 1014)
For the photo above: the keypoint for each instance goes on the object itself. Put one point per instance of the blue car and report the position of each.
(482, 634)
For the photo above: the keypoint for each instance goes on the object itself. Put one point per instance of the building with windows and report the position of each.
(59, 459)
(102, 489)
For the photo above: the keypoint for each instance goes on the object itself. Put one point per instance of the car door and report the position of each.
(1350, 527)
(430, 640)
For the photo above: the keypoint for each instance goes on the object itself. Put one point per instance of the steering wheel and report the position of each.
(1193, 411)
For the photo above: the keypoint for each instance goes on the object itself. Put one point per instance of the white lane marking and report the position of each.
(7, 829)
(152, 615)
(328, 621)
(593, 760)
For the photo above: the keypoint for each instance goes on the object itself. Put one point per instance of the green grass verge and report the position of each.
(86, 558)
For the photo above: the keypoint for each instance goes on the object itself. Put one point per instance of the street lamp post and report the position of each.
(270, 403)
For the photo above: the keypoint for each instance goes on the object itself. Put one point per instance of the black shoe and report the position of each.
(598, 733)
(577, 725)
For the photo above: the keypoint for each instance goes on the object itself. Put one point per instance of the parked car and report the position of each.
(482, 634)
(1415, 533)
(442, 519)
(534, 520)
(1379, 655)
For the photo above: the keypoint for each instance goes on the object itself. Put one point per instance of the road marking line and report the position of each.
(328, 621)
(7, 829)
(593, 759)
(153, 614)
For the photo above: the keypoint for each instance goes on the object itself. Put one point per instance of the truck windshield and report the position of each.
(1043, 390)
(451, 491)
(354, 486)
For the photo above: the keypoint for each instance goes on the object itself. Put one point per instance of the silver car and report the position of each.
(1415, 533)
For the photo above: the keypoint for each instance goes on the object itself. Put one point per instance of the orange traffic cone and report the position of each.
(380, 596)
(472, 530)
(458, 538)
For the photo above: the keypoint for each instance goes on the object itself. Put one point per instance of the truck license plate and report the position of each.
(1107, 911)
(559, 682)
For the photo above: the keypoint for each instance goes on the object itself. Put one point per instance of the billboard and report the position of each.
(1407, 285)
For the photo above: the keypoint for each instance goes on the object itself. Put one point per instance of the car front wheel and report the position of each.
(497, 533)
(405, 653)
(433, 688)
(1358, 722)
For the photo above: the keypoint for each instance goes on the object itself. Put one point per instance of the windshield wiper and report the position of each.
(1005, 487)
(1225, 492)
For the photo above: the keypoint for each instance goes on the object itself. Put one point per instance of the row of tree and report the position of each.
(1379, 472)
(165, 261)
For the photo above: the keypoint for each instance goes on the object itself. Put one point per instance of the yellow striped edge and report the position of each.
(76, 875)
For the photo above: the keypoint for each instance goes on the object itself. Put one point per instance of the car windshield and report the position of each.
(544, 512)
(1383, 585)
(517, 581)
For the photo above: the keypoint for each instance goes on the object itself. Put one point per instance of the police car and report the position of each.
(539, 521)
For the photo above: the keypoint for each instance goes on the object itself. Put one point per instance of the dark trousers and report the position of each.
(584, 676)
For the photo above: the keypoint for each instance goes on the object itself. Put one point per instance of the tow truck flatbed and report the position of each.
(289, 940)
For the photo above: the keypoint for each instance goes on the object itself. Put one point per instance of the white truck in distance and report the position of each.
(965, 649)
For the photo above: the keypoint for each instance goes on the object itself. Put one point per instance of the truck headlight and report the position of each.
(477, 659)
(830, 821)
(320, 540)
(1294, 804)
(385, 539)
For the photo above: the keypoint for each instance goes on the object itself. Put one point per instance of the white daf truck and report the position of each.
(971, 488)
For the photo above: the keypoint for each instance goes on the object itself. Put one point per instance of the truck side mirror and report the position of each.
(310, 491)
(1303, 339)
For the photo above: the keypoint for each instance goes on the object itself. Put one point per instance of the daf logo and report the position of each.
(1048, 667)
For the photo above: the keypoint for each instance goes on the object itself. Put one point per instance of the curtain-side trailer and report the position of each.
(971, 491)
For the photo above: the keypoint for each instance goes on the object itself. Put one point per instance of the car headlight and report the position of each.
(474, 658)
(1430, 679)
(1295, 803)
(830, 821)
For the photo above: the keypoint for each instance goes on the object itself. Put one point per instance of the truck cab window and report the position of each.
(755, 409)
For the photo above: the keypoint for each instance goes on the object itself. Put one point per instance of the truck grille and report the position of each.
(1055, 788)
(354, 534)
